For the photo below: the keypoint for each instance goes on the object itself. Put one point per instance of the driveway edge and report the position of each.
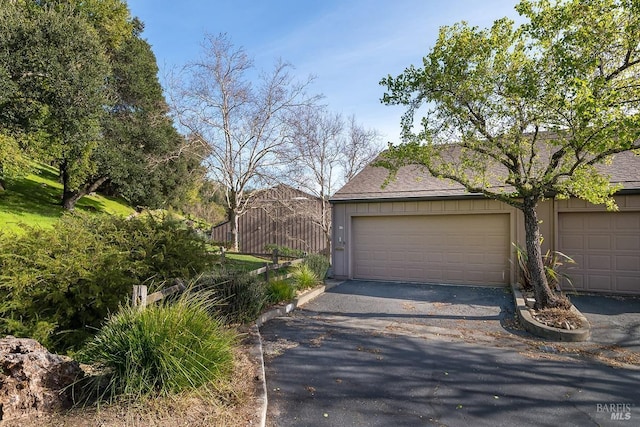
(300, 300)
(548, 332)
(272, 314)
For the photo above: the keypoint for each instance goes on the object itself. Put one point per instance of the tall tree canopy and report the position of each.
(55, 61)
(523, 113)
(80, 90)
(137, 156)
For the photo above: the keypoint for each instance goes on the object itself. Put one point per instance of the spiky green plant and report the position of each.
(159, 350)
(280, 290)
(553, 262)
(304, 277)
(319, 264)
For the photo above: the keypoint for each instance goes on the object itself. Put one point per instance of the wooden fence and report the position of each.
(274, 267)
(141, 299)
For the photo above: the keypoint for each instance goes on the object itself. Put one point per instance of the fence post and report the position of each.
(275, 256)
(139, 298)
(222, 252)
(266, 272)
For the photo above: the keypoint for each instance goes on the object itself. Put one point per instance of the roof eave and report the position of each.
(623, 192)
(407, 198)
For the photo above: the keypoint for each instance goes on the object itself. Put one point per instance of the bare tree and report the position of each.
(240, 121)
(359, 150)
(325, 153)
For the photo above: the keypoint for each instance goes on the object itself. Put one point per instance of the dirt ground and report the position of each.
(232, 404)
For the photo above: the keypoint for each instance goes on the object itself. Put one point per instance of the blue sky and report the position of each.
(347, 45)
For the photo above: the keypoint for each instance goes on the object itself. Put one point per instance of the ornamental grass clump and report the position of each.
(304, 277)
(157, 351)
(280, 290)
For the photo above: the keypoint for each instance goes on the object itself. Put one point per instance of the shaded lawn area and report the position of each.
(34, 200)
(243, 263)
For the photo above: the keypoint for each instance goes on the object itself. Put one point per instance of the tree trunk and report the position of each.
(71, 197)
(2, 188)
(233, 220)
(544, 296)
(326, 226)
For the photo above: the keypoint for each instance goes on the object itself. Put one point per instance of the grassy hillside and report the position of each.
(35, 200)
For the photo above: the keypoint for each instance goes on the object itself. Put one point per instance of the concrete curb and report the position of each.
(548, 332)
(272, 314)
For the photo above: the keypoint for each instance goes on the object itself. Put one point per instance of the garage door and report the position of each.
(606, 248)
(462, 249)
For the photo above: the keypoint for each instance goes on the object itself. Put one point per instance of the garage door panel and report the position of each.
(602, 242)
(599, 283)
(472, 249)
(606, 248)
(627, 243)
(599, 222)
(627, 283)
(599, 262)
(434, 258)
(627, 263)
(572, 242)
(628, 223)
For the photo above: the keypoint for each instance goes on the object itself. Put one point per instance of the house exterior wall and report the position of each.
(548, 210)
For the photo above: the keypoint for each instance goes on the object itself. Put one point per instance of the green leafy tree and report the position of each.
(139, 156)
(12, 160)
(56, 64)
(523, 113)
(89, 103)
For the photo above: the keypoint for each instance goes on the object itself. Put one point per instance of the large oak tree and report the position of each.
(55, 62)
(79, 90)
(520, 114)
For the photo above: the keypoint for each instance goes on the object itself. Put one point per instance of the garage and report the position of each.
(606, 248)
(456, 249)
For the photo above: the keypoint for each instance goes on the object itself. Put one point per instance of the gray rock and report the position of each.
(33, 381)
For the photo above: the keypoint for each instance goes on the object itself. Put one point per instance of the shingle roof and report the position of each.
(416, 182)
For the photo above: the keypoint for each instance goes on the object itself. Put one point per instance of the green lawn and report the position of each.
(244, 263)
(35, 200)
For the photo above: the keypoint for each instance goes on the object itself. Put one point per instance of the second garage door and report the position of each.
(458, 249)
(606, 248)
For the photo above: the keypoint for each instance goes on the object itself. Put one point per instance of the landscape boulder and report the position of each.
(33, 381)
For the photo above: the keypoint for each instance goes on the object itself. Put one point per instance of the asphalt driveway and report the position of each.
(378, 354)
(615, 321)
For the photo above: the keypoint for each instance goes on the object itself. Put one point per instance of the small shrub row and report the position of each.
(318, 264)
(240, 296)
(304, 277)
(284, 251)
(280, 290)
